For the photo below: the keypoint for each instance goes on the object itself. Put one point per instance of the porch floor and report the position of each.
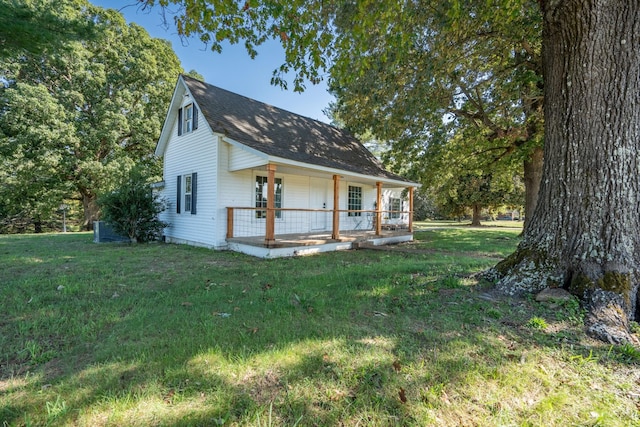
(318, 238)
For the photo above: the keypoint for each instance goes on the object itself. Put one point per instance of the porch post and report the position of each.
(229, 223)
(336, 207)
(379, 208)
(271, 215)
(411, 209)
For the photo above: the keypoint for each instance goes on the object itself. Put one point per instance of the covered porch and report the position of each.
(269, 230)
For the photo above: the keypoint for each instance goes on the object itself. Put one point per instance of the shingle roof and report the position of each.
(280, 133)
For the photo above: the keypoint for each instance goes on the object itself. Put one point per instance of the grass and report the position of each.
(112, 334)
(467, 223)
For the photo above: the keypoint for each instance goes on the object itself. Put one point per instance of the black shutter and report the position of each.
(179, 194)
(195, 118)
(179, 121)
(194, 192)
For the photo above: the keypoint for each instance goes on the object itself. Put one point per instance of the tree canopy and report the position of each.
(79, 115)
(37, 25)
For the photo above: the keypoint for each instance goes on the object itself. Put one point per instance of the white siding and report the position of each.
(365, 220)
(387, 195)
(234, 190)
(296, 196)
(296, 191)
(237, 189)
(243, 159)
(185, 154)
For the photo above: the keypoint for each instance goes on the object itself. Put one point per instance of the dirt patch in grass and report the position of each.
(263, 387)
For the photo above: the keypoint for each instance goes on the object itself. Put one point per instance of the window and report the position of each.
(395, 205)
(187, 193)
(262, 194)
(187, 119)
(186, 197)
(354, 201)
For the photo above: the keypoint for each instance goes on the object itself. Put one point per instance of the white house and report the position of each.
(243, 175)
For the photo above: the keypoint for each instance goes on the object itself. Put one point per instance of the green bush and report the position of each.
(132, 209)
(537, 323)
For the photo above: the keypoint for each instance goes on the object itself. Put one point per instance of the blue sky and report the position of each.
(233, 69)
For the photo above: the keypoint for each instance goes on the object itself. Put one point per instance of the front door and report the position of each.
(318, 200)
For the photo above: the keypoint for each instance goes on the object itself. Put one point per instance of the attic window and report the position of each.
(187, 119)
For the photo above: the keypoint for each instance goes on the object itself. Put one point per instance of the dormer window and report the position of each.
(187, 119)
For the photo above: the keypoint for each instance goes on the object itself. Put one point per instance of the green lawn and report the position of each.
(114, 335)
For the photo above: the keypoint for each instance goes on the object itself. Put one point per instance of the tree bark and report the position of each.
(475, 220)
(584, 234)
(91, 210)
(37, 225)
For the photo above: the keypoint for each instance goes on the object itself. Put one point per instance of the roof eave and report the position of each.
(333, 171)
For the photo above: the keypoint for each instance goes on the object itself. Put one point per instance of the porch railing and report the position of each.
(252, 222)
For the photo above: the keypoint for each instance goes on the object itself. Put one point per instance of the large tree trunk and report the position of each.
(475, 219)
(584, 234)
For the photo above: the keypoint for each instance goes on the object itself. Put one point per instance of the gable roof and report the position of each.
(280, 133)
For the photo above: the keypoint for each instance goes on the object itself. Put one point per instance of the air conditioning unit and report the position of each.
(103, 233)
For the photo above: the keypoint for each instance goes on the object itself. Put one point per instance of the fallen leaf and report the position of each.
(186, 304)
(402, 395)
(168, 396)
(397, 366)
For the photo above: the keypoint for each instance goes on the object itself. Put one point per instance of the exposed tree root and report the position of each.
(606, 318)
(610, 306)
